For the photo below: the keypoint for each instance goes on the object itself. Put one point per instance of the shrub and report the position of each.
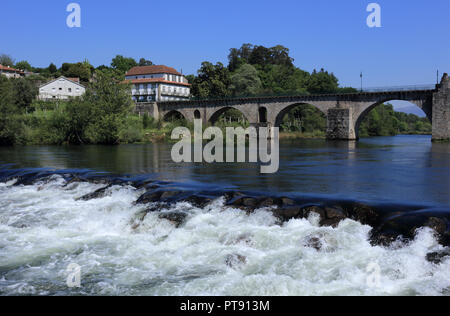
(131, 130)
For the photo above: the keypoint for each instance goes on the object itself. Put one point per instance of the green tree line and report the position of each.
(258, 70)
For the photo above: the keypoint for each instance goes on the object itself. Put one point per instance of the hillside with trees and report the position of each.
(258, 70)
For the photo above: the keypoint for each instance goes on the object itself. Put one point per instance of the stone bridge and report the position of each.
(344, 112)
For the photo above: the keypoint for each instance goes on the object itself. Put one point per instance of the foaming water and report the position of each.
(217, 251)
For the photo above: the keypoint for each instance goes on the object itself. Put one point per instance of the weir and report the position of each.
(344, 112)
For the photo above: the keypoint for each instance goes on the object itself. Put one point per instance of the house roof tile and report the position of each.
(151, 70)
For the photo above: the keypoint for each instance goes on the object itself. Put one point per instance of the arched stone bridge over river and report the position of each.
(344, 112)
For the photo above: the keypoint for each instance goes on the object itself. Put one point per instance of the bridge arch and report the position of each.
(197, 115)
(173, 115)
(278, 120)
(424, 105)
(216, 115)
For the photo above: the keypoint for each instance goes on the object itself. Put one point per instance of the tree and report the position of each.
(281, 79)
(245, 81)
(10, 127)
(322, 82)
(280, 56)
(24, 93)
(111, 103)
(212, 81)
(6, 60)
(240, 56)
(190, 78)
(78, 70)
(65, 67)
(145, 62)
(102, 67)
(259, 55)
(24, 65)
(123, 64)
(52, 68)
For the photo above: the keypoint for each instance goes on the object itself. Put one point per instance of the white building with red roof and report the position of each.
(11, 72)
(157, 83)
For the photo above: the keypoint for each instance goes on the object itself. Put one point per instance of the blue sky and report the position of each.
(411, 45)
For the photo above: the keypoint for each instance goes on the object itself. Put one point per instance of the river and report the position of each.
(44, 227)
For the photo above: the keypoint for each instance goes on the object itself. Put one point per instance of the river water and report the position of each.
(44, 227)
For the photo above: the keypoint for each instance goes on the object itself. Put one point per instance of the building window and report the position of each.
(70, 89)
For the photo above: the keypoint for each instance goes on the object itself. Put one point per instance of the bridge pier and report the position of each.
(441, 111)
(340, 125)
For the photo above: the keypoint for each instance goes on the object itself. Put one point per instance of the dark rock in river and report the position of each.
(329, 216)
(267, 202)
(438, 257)
(176, 218)
(198, 201)
(333, 216)
(169, 195)
(286, 214)
(100, 193)
(364, 214)
(321, 241)
(439, 225)
(307, 211)
(149, 197)
(245, 238)
(384, 238)
(405, 226)
(235, 260)
(247, 203)
(230, 196)
(287, 202)
(445, 239)
(313, 242)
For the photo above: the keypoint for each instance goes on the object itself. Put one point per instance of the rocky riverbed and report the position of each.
(154, 202)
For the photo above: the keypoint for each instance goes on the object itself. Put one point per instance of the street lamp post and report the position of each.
(361, 81)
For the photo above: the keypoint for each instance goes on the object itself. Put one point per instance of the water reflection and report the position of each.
(402, 168)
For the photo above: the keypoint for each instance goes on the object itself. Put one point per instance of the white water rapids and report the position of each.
(218, 251)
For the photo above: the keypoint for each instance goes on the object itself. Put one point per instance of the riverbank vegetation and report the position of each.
(384, 121)
(104, 115)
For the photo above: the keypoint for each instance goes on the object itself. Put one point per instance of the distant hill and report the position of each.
(411, 110)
